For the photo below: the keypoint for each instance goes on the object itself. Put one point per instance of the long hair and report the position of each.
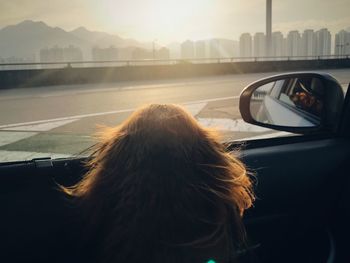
(161, 188)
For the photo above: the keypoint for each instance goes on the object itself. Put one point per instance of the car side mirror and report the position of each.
(304, 102)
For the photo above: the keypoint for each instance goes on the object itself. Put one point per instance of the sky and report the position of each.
(177, 20)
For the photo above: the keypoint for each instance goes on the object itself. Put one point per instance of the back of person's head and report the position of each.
(161, 188)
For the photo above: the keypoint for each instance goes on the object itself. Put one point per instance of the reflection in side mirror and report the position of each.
(294, 102)
(297, 102)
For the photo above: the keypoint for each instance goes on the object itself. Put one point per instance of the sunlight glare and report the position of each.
(164, 19)
(174, 17)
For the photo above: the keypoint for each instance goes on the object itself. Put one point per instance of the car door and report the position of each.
(302, 210)
(300, 215)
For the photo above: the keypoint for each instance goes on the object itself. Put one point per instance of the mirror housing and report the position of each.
(292, 102)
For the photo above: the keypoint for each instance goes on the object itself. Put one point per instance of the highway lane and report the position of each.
(31, 104)
(54, 102)
(61, 119)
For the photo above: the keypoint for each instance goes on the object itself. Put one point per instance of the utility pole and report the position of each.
(268, 28)
(154, 49)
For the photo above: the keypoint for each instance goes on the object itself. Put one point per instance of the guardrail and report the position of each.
(146, 62)
(66, 73)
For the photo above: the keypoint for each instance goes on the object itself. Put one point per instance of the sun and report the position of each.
(169, 16)
(156, 19)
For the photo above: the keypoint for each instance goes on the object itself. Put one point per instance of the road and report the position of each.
(59, 121)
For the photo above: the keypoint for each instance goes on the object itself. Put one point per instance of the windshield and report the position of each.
(70, 67)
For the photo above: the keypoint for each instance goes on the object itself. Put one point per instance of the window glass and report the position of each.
(70, 67)
(276, 91)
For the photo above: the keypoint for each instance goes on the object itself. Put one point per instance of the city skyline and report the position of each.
(309, 42)
(156, 41)
(168, 20)
(295, 43)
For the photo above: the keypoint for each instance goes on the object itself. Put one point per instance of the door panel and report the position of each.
(297, 186)
(297, 189)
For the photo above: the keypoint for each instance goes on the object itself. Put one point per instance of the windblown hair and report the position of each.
(161, 188)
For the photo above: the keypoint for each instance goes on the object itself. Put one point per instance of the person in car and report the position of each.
(308, 95)
(161, 188)
(308, 102)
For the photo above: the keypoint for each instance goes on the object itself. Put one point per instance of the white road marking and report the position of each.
(11, 137)
(238, 125)
(75, 117)
(65, 118)
(11, 156)
(41, 126)
(12, 133)
(211, 100)
(195, 108)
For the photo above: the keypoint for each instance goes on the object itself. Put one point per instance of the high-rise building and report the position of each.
(214, 48)
(72, 53)
(126, 53)
(323, 42)
(187, 50)
(14, 59)
(342, 43)
(141, 53)
(235, 48)
(227, 48)
(54, 54)
(293, 43)
(175, 50)
(163, 53)
(59, 54)
(200, 49)
(308, 43)
(245, 45)
(259, 44)
(277, 45)
(221, 48)
(44, 55)
(104, 54)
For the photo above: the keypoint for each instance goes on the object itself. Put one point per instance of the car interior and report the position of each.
(67, 67)
(301, 213)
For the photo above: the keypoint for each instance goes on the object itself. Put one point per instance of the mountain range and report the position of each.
(24, 40)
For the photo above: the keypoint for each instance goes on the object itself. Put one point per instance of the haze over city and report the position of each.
(171, 30)
(170, 20)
